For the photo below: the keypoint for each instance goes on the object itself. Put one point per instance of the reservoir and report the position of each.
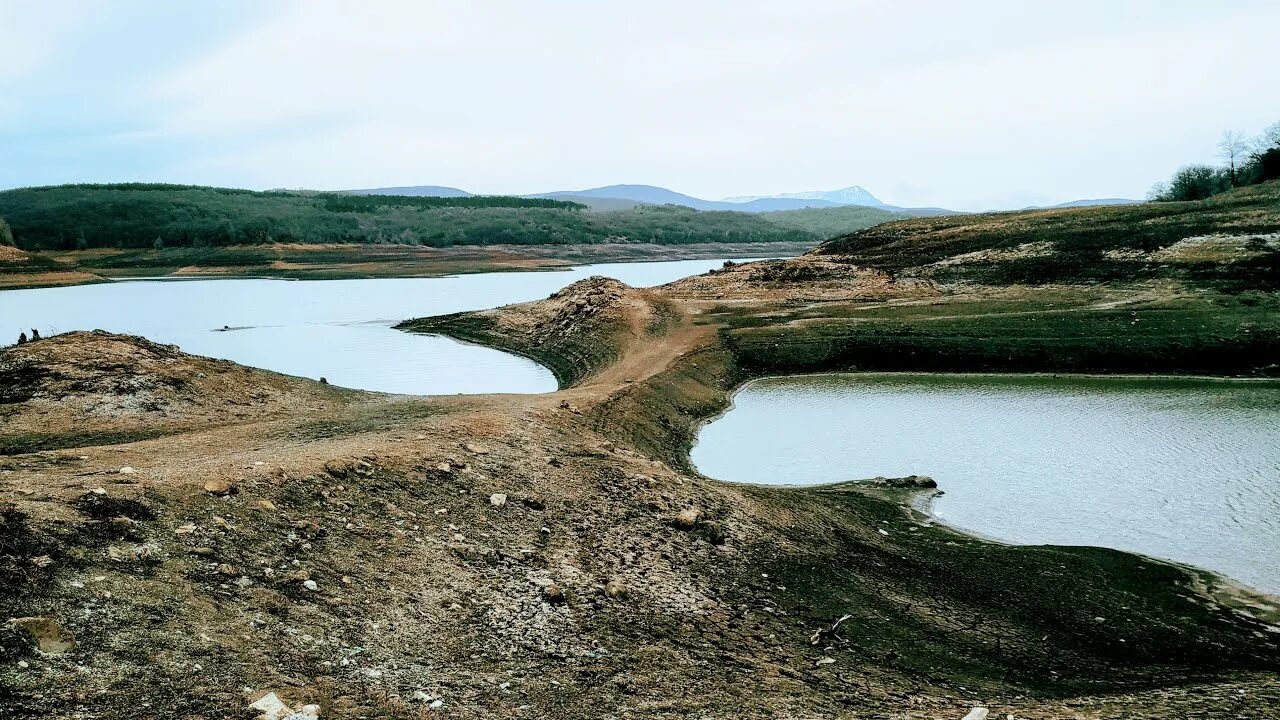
(1181, 469)
(337, 329)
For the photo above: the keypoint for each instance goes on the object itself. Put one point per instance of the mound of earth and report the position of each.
(105, 385)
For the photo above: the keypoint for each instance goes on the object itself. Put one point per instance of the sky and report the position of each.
(966, 105)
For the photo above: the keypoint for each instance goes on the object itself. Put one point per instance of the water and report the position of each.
(336, 329)
(1182, 469)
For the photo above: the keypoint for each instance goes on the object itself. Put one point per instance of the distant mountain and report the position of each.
(653, 195)
(1084, 203)
(414, 191)
(1096, 201)
(625, 197)
(852, 195)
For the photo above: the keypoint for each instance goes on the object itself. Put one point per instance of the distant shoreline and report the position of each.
(347, 262)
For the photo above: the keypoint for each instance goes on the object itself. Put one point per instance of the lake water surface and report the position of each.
(1182, 469)
(336, 329)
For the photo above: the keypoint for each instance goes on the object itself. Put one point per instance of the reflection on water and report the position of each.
(336, 329)
(1182, 469)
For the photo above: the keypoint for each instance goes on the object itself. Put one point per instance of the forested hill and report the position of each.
(70, 217)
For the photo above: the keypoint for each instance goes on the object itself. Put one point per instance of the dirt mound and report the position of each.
(12, 254)
(97, 384)
(574, 332)
(808, 278)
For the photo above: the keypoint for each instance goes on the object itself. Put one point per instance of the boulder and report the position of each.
(51, 638)
(215, 486)
(687, 519)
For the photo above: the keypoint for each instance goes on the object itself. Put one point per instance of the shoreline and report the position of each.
(367, 262)
(660, 574)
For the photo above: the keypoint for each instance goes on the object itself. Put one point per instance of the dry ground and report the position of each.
(193, 534)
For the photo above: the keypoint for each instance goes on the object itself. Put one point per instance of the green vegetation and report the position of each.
(138, 216)
(1238, 336)
(6, 234)
(830, 222)
(1246, 161)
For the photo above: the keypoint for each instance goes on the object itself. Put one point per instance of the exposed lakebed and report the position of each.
(336, 329)
(1182, 469)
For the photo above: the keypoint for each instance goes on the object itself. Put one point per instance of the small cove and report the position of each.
(1183, 469)
(337, 329)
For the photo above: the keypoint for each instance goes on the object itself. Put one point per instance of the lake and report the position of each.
(336, 329)
(1181, 469)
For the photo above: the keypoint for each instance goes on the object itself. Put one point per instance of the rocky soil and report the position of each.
(185, 538)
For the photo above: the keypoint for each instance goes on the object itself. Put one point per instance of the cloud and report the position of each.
(965, 105)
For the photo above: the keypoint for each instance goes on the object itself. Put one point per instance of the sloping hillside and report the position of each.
(1227, 237)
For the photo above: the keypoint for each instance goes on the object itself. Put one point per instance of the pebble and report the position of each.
(615, 588)
(498, 499)
(553, 594)
(126, 470)
(978, 713)
(310, 585)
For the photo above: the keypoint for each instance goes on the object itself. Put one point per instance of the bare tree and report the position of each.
(1268, 138)
(1233, 148)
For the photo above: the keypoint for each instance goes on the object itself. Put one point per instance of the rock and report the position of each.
(475, 448)
(266, 505)
(553, 594)
(310, 585)
(909, 482)
(436, 704)
(420, 696)
(185, 529)
(270, 707)
(498, 499)
(713, 532)
(126, 470)
(687, 519)
(50, 637)
(615, 588)
(228, 569)
(219, 487)
(825, 661)
(978, 713)
(203, 551)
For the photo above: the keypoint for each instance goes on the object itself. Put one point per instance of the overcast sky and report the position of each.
(965, 105)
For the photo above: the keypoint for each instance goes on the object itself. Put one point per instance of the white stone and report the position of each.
(310, 585)
(498, 499)
(978, 713)
(270, 706)
(126, 470)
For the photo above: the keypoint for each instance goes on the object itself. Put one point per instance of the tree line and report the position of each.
(135, 216)
(1245, 161)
